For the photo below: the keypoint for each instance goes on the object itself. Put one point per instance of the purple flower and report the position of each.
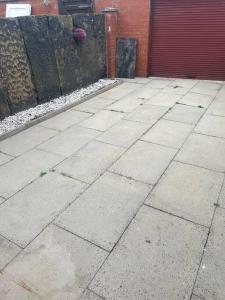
(79, 34)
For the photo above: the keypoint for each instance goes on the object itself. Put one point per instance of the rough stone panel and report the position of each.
(66, 53)
(15, 75)
(92, 51)
(4, 106)
(41, 55)
(126, 57)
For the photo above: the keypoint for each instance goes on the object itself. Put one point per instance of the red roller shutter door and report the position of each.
(188, 39)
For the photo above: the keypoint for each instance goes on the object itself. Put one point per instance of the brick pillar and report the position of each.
(111, 36)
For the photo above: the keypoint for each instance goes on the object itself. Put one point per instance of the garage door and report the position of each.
(188, 39)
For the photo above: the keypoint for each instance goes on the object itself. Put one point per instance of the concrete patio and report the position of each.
(121, 197)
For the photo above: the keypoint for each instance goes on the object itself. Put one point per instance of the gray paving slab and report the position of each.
(4, 158)
(212, 125)
(164, 99)
(206, 88)
(24, 216)
(141, 80)
(126, 104)
(194, 297)
(195, 99)
(189, 192)
(176, 90)
(159, 83)
(217, 107)
(184, 83)
(91, 161)
(145, 93)
(168, 133)
(10, 290)
(148, 264)
(94, 105)
(69, 141)
(65, 120)
(102, 213)
(222, 196)
(103, 120)
(8, 251)
(210, 280)
(203, 151)
(148, 114)
(145, 162)
(57, 265)
(88, 295)
(26, 140)
(185, 114)
(120, 91)
(1, 200)
(17, 173)
(124, 133)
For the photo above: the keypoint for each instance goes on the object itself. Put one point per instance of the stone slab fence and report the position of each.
(40, 60)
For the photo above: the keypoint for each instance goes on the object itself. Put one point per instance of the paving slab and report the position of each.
(124, 133)
(148, 114)
(195, 99)
(25, 215)
(141, 80)
(144, 93)
(91, 161)
(159, 83)
(194, 297)
(206, 88)
(217, 107)
(17, 173)
(8, 251)
(145, 162)
(94, 105)
(121, 90)
(168, 133)
(57, 265)
(176, 90)
(210, 280)
(222, 196)
(65, 120)
(88, 295)
(184, 83)
(203, 151)
(26, 140)
(164, 99)
(103, 120)
(148, 264)
(1, 200)
(102, 213)
(69, 141)
(126, 104)
(4, 158)
(185, 114)
(212, 125)
(189, 192)
(10, 290)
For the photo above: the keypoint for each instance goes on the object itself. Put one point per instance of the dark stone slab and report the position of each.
(60, 29)
(15, 79)
(41, 56)
(4, 107)
(126, 57)
(100, 46)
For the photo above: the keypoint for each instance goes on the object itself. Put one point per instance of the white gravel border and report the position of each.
(20, 119)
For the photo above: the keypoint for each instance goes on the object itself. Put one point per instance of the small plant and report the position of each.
(79, 34)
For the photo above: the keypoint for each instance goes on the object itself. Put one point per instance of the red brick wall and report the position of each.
(37, 6)
(133, 21)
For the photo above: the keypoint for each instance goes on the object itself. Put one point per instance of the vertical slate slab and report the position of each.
(86, 49)
(4, 107)
(126, 57)
(42, 57)
(15, 78)
(100, 46)
(61, 32)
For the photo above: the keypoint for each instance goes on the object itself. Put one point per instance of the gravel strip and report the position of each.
(18, 120)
